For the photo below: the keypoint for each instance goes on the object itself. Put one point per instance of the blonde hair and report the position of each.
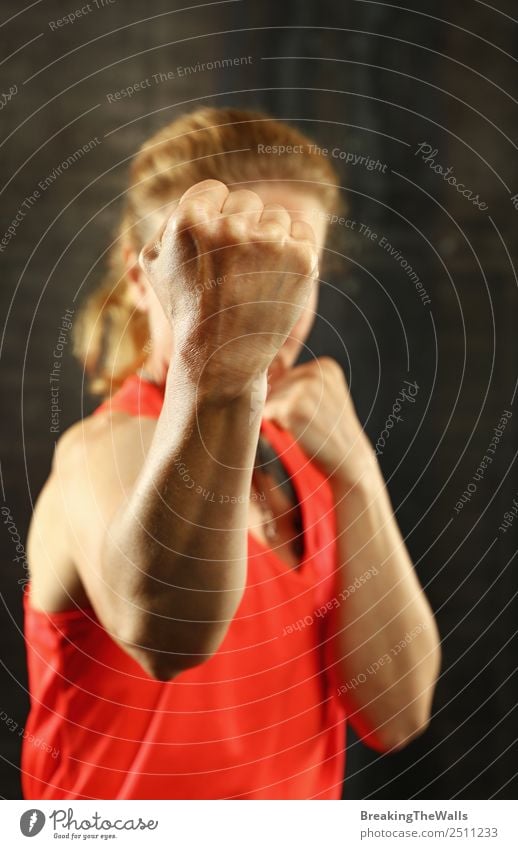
(111, 337)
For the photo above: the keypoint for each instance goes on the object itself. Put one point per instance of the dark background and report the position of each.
(369, 78)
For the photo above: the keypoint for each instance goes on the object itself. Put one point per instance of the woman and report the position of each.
(217, 578)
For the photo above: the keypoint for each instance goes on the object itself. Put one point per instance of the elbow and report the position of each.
(166, 667)
(402, 711)
(390, 735)
(409, 718)
(415, 711)
(400, 723)
(165, 654)
(397, 734)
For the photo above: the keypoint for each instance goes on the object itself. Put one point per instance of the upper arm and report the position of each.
(96, 464)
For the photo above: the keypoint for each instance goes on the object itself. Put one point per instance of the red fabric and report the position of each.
(259, 720)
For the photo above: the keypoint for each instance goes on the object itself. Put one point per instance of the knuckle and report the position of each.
(246, 198)
(314, 376)
(211, 183)
(277, 208)
(313, 389)
(272, 231)
(188, 215)
(328, 364)
(303, 256)
(301, 411)
(326, 361)
(232, 229)
(302, 399)
(200, 188)
(303, 230)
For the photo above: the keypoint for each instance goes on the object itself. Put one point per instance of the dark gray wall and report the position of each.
(369, 79)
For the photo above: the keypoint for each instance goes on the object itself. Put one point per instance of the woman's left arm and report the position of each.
(387, 645)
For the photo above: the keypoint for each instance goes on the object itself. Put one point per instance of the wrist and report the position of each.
(204, 389)
(360, 474)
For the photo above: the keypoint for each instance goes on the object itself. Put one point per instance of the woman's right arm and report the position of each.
(160, 542)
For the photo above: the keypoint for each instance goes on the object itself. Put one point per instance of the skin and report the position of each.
(164, 568)
(302, 207)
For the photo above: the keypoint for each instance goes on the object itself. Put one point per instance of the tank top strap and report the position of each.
(137, 397)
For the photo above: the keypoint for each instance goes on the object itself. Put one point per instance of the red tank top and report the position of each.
(259, 720)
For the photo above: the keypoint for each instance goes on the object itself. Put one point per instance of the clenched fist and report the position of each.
(233, 275)
(313, 402)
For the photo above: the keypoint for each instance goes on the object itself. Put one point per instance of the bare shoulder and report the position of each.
(107, 438)
(95, 465)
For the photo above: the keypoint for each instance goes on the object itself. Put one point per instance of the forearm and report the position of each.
(176, 554)
(388, 642)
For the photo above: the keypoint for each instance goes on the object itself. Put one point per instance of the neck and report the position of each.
(153, 370)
